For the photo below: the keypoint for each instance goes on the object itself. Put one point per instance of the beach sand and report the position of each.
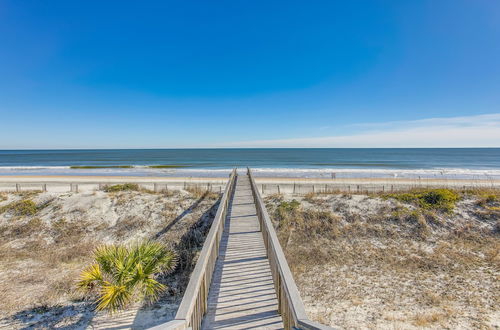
(346, 290)
(44, 249)
(376, 262)
(266, 184)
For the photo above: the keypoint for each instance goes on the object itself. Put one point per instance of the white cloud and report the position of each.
(471, 131)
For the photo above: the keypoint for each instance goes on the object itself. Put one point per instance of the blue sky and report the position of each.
(123, 74)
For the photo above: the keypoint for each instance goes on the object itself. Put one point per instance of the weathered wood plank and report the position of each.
(242, 293)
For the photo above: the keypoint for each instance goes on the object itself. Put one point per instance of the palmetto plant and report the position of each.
(122, 274)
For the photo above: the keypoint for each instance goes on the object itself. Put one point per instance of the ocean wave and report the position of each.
(146, 170)
(33, 167)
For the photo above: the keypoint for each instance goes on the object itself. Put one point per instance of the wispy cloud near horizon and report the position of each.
(464, 131)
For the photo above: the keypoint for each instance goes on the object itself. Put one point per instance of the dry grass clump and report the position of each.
(291, 217)
(427, 319)
(129, 224)
(19, 208)
(316, 199)
(40, 262)
(310, 197)
(201, 192)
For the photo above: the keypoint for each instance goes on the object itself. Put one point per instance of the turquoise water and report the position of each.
(390, 162)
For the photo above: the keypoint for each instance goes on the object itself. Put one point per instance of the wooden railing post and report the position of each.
(194, 304)
(290, 304)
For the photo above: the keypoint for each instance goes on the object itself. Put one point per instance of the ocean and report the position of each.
(470, 163)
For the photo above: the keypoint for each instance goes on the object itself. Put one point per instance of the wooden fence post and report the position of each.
(44, 187)
(73, 187)
(18, 187)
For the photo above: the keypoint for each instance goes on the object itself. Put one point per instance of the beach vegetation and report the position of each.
(123, 274)
(201, 192)
(128, 225)
(26, 194)
(19, 208)
(437, 199)
(290, 206)
(369, 246)
(34, 225)
(310, 197)
(290, 216)
(59, 243)
(274, 198)
(488, 200)
(122, 187)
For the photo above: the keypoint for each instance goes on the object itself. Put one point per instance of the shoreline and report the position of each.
(276, 179)
(268, 185)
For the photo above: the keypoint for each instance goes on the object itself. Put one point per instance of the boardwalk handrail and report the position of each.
(194, 303)
(290, 304)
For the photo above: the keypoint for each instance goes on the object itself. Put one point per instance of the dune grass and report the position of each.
(41, 255)
(348, 252)
(122, 187)
(22, 207)
(438, 199)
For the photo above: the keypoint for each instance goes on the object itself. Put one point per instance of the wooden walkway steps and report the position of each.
(241, 279)
(242, 294)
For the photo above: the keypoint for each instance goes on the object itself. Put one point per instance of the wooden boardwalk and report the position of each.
(242, 294)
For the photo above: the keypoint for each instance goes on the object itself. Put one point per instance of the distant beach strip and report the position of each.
(189, 171)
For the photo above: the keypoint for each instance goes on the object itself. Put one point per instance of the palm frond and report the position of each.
(89, 277)
(113, 297)
(123, 272)
(151, 289)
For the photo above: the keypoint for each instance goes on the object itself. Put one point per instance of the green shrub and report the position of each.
(122, 274)
(438, 199)
(22, 207)
(487, 199)
(286, 209)
(289, 206)
(491, 198)
(444, 199)
(122, 187)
